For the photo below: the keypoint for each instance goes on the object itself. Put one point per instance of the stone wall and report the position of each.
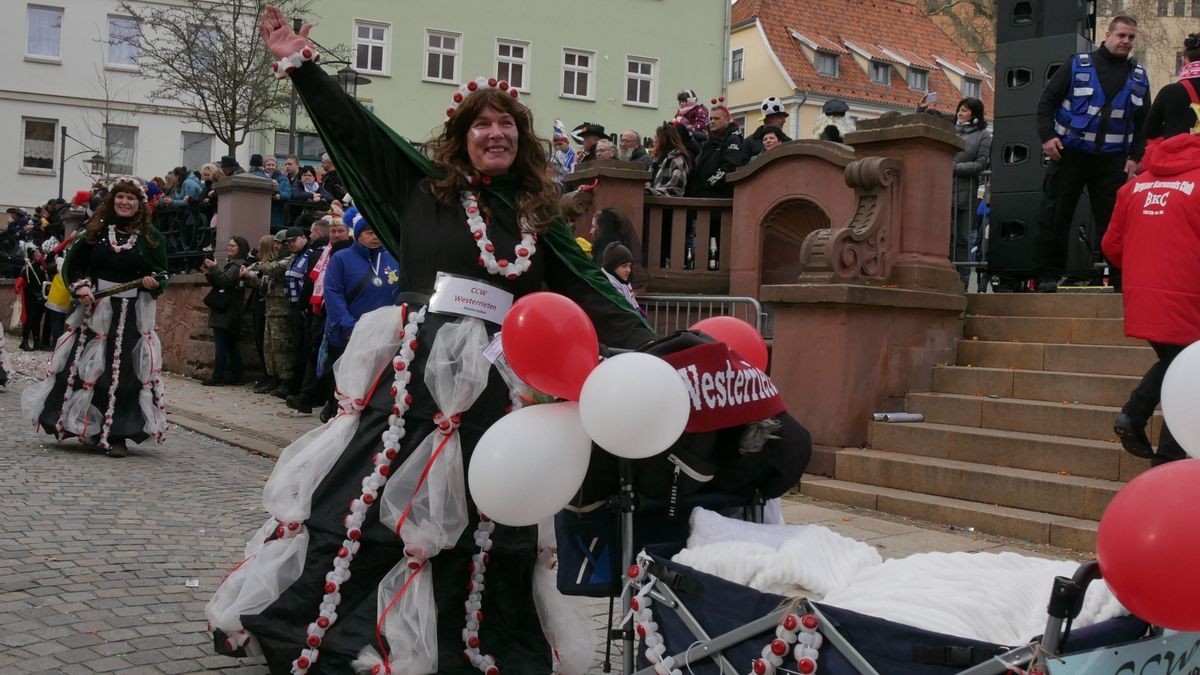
(182, 326)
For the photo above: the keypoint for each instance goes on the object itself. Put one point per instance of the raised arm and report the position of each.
(377, 166)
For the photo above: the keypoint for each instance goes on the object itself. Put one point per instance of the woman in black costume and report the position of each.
(103, 384)
(309, 594)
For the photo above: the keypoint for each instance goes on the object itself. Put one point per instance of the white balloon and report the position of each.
(529, 464)
(634, 405)
(1181, 399)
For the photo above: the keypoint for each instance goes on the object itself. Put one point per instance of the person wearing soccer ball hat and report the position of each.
(774, 115)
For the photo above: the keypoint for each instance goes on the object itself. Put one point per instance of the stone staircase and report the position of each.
(1017, 438)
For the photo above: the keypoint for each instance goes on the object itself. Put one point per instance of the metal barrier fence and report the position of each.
(972, 224)
(187, 235)
(669, 313)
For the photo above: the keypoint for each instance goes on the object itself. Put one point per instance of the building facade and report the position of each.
(72, 87)
(876, 56)
(619, 63)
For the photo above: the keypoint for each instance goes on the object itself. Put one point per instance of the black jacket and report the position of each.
(1171, 112)
(719, 155)
(1113, 71)
(753, 146)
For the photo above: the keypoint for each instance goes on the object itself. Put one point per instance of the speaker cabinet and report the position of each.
(1012, 235)
(1029, 19)
(1018, 163)
(1024, 67)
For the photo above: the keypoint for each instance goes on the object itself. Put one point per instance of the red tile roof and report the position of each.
(889, 31)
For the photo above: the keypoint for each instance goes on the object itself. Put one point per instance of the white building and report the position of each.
(62, 68)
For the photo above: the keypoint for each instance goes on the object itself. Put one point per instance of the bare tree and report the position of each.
(209, 60)
(101, 123)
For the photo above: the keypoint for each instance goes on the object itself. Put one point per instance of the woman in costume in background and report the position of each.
(103, 383)
(328, 586)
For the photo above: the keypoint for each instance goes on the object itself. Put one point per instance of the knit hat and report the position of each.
(355, 221)
(256, 161)
(615, 255)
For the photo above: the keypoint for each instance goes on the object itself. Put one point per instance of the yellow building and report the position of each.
(1162, 26)
(876, 56)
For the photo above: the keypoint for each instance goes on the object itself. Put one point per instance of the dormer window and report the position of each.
(881, 73)
(918, 80)
(826, 63)
(971, 87)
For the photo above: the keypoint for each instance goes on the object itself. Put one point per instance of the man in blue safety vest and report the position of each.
(1090, 119)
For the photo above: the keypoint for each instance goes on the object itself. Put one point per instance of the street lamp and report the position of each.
(95, 162)
(349, 79)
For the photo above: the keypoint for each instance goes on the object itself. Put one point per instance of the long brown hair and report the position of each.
(537, 195)
(668, 139)
(267, 248)
(139, 224)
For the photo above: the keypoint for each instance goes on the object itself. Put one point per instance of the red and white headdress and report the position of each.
(479, 84)
(130, 181)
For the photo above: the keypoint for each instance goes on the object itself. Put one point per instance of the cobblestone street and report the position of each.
(106, 564)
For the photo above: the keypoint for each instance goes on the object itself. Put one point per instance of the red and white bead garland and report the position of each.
(522, 252)
(797, 634)
(116, 375)
(643, 618)
(112, 240)
(486, 663)
(154, 383)
(372, 484)
(73, 370)
(284, 67)
(478, 84)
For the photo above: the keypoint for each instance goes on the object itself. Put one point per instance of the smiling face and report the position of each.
(125, 204)
(231, 249)
(271, 164)
(492, 142)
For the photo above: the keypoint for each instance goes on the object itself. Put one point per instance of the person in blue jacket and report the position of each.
(188, 188)
(269, 168)
(359, 279)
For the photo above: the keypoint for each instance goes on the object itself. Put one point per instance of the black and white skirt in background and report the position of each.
(104, 380)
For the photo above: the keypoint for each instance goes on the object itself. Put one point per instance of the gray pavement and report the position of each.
(106, 564)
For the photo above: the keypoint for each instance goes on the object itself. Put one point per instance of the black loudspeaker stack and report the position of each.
(1034, 38)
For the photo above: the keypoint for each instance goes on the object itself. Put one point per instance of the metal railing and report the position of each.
(974, 225)
(187, 234)
(669, 313)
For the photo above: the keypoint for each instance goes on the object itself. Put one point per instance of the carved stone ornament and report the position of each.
(858, 250)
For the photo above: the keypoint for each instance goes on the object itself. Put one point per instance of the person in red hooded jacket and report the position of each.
(1154, 237)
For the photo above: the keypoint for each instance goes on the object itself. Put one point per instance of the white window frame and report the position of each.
(428, 51)
(112, 65)
(109, 154)
(879, 67)
(837, 63)
(737, 56)
(44, 58)
(37, 170)
(908, 78)
(525, 62)
(641, 77)
(590, 71)
(384, 45)
(972, 87)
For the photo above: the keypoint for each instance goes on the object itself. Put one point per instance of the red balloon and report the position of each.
(739, 335)
(1147, 548)
(550, 344)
